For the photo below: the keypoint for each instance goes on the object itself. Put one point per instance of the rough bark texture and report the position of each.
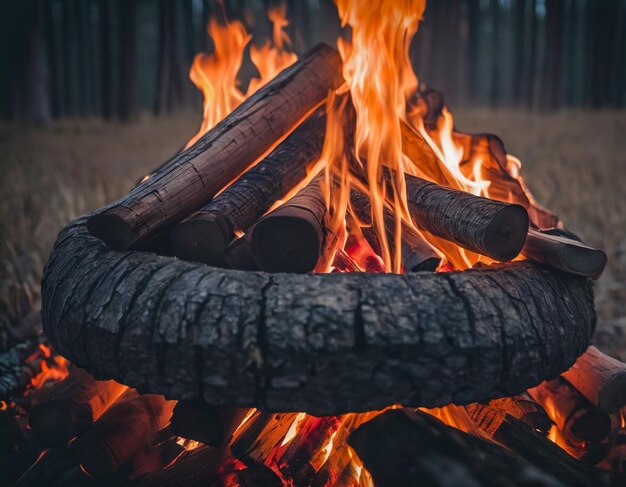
(317, 343)
(600, 378)
(482, 225)
(204, 236)
(193, 177)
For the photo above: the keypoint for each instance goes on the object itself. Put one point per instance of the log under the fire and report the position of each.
(320, 343)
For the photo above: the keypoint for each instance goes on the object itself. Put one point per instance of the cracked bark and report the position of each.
(320, 343)
(193, 177)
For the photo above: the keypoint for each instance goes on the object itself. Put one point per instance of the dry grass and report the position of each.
(575, 163)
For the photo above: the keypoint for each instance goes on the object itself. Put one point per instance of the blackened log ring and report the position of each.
(323, 344)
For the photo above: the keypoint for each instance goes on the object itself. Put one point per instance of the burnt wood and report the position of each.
(576, 417)
(291, 238)
(492, 228)
(408, 448)
(564, 254)
(316, 343)
(416, 253)
(211, 425)
(195, 176)
(204, 236)
(70, 407)
(121, 431)
(524, 408)
(600, 378)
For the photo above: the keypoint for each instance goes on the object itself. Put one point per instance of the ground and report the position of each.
(574, 162)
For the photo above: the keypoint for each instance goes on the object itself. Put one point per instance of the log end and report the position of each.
(506, 234)
(112, 229)
(284, 243)
(612, 396)
(593, 426)
(201, 238)
(54, 423)
(588, 262)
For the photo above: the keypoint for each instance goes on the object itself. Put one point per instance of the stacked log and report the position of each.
(192, 178)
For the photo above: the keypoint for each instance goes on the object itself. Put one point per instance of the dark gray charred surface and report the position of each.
(323, 344)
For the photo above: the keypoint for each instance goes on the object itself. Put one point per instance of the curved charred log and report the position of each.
(320, 343)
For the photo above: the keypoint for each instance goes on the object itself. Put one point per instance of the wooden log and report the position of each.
(153, 458)
(522, 407)
(575, 416)
(492, 228)
(405, 448)
(50, 467)
(205, 235)
(196, 175)
(201, 466)
(600, 378)
(312, 342)
(197, 420)
(291, 238)
(564, 254)
(258, 476)
(342, 262)
(131, 422)
(416, 253)
(70, 407)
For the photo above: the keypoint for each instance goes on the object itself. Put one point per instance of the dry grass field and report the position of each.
(575, 163)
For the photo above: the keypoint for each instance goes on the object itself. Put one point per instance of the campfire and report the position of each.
(332, 284)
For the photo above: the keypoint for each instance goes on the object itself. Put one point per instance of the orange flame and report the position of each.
(215, 74)
(379, 75)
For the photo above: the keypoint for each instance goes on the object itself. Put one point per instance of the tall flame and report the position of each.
(215, 74)
(380, 78)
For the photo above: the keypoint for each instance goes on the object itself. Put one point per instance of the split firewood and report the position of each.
(199, 421)
(256, 476)
(492, 228)
(205, 235)
(417, 253)
(153, 458)
(132, 421)
(342, 262)
(70, 407)
(564, 254)
(600, 378)
(260, 432)
(291, 238)
(577, 418)
(195, 176)
(521, 406)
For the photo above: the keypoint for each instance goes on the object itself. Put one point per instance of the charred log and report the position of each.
(70, 407)
(310, 342)
(291, 238)
(564, 254)
(575, 416)
(406, 448)
(600, 378)
(193, 177)
(204, 236)
(15, 370)
(481, 225)
(524, 408)
(211, 425)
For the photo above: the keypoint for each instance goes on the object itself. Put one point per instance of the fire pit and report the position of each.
(327, 255)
